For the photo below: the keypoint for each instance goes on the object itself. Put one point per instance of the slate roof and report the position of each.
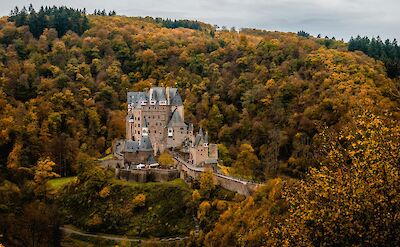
(161, 93)
(135, 98)
(157, 94)
(151, 159)
(176, 100)
(176, 120)
(145, 144)
(199, 137)
(135, 146)
(131, 146)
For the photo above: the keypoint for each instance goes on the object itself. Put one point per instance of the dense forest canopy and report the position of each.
(64, 90)
(302, 114)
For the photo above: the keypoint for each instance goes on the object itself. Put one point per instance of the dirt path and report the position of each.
(69, 230)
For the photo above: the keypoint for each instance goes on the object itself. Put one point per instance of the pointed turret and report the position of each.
(145, 144)
(176, 100)
(205, 144)
(199, 138)
(175, 120)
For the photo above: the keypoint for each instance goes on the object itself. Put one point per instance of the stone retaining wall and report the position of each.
(147, 175)
(111, 163)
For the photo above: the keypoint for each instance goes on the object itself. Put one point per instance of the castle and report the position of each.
(155, 122)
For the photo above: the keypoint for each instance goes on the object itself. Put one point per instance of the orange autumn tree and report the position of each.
(353, 198)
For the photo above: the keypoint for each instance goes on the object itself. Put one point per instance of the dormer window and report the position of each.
(170, 132)
(143, 102)
(152, 102)
(163, 102)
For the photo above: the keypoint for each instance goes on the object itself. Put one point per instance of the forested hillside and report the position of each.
(278, 104)
(64, 94)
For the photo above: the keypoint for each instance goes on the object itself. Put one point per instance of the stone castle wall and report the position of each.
(188, 172)
(147, 175)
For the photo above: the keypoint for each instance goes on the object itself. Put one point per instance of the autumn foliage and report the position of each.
(317, 123)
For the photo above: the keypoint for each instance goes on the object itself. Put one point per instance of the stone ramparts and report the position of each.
(242, 187)
(147, 175)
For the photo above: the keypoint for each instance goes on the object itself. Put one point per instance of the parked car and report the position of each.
(140, 166)
(154, 165)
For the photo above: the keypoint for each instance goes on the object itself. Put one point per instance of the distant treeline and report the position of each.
(104, 12)
(387, 51)
(60, 18)
(168, 23)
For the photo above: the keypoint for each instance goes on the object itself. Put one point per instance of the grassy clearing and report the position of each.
(58, 183)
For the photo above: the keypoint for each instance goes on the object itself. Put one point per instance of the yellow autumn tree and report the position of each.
(207, 183)
(13, 160)
(43, 173)
(139, 200)
(104, 192)
(196, 195)
(353, 198)
(247, 223)
(247, 161)
(165, 159)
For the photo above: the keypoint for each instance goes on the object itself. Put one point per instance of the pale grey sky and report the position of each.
(339, 18)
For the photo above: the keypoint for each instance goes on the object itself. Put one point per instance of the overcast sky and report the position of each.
(339, 18)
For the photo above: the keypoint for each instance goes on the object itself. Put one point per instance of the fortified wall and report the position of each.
(147, 175)
(189, 172)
